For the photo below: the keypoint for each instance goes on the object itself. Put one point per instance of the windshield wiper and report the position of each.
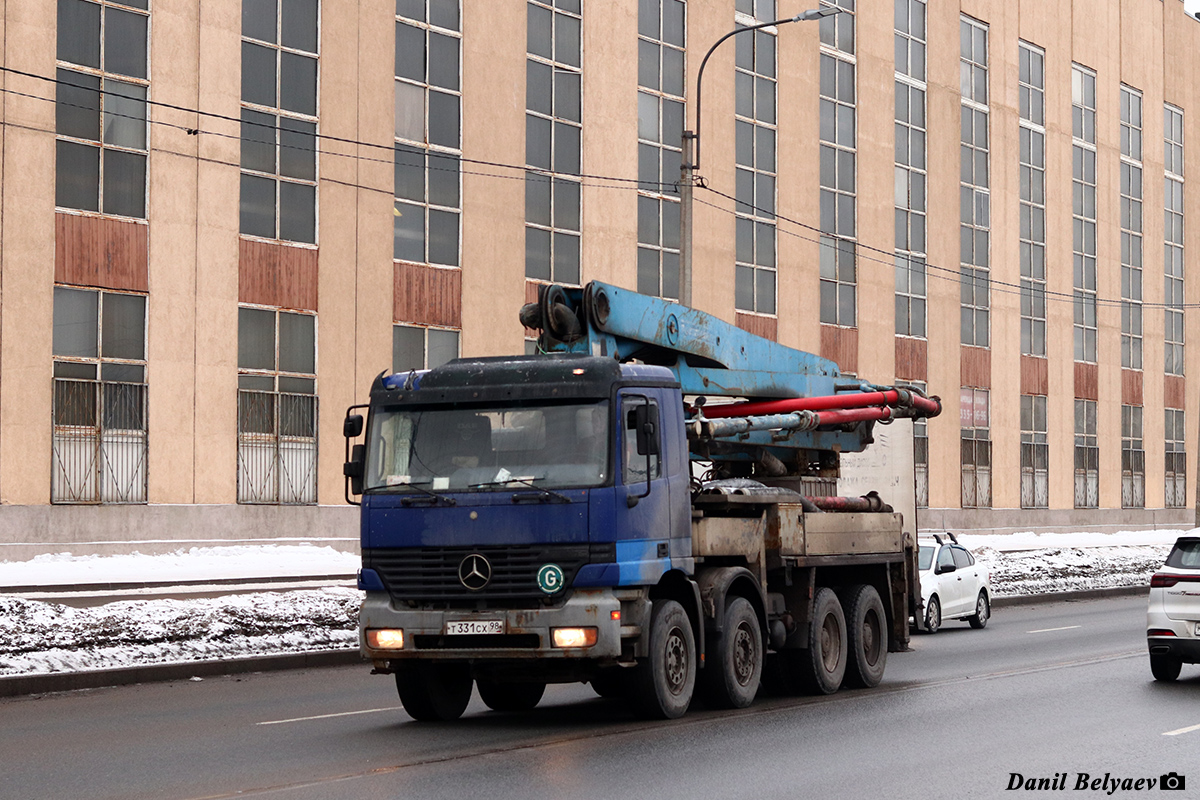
(450, 501)
(526, 482)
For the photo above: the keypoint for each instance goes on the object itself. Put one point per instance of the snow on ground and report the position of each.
(42, 637)
(194, 564)
(39, 637)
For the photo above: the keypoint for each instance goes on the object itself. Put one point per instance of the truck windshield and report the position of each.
(551, 446)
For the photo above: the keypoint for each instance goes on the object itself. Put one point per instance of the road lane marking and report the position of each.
(1051, 630)
(328, 716)
(1183, 730)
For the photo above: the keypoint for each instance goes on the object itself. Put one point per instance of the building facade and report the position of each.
(985, 199)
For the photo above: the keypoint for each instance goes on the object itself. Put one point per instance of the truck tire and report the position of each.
(664, 681)
(1165, 668)
(508, 696)
(867, 636)
(983, 611)
(734, 665)
(823, 664)
(432, 691)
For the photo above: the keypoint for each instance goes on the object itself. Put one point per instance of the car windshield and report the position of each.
(1186, 554)
(548, 446)
(924, 557)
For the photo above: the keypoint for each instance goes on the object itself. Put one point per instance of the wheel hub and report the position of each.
(743, 655)
(676, 661)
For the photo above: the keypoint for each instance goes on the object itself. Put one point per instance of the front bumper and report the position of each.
(525, 631)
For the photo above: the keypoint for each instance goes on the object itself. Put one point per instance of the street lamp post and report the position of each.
(691, 141)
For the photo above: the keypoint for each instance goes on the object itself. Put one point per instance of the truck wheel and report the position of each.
(502, 696)
(731, 676)
(867, 634)
(823, 664)
(933, 615)
(983, 611)
(434, 691)
(663, 684)
(1165, 668)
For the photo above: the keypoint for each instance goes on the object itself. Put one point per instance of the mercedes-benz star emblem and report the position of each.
(474, 572)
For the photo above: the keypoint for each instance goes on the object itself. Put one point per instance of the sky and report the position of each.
(1191, 6)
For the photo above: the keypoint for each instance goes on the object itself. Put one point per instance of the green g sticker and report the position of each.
(550, 578)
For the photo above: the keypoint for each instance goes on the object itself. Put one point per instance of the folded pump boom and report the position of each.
(793, 405)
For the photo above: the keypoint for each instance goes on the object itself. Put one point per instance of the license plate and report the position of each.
(457, 627)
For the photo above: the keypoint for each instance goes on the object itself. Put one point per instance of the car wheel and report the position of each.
(867, 636)
(730, 679)
(665, 680)
(983, 611)
(431, 691)
(933, 615)
(823, 664)
(504, 696)
(1165, 668)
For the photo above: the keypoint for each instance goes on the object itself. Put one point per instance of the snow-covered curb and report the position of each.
(38, 637)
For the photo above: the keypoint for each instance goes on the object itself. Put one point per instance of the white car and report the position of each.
(953, 585)
(1173, 618)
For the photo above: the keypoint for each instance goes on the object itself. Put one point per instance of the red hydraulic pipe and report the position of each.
(889, 397)
(841, 416)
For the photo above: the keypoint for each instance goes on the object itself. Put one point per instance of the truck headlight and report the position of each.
(385, 639)
(573, 637)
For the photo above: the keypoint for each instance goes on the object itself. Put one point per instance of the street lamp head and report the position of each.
(816, 13)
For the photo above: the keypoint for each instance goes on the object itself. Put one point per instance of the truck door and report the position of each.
(643, 508)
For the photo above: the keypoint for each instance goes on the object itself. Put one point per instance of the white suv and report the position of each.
(953, 585)
(1173, 619)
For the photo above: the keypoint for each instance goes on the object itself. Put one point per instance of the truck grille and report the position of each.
(431, 573)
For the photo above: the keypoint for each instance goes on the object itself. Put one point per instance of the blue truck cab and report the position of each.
(521, 495)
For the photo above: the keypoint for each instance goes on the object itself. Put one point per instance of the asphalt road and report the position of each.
(1045, 691)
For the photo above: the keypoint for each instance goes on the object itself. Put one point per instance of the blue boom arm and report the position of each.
(709, 356)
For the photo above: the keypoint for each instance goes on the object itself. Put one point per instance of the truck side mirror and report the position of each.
(645, 418)
(353, 469)
(352, 427)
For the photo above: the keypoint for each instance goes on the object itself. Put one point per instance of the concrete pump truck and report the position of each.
(645, 505)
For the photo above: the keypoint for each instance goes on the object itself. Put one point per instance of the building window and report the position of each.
(1131, 229)
(911, 293)
(1087, 456)
(1133, 459)
(100, 108)
(99, 444)
(976, 449)
(1176, 466)
(974, 194)
(755, 105)
(277, 406)
(1032, 168)
(1035, 452)
(416, 347)
(1173, 236)
(662, 30)
(428, 137)
(279, 119)
(839, 142)
(1083, 190)
(553, 131)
